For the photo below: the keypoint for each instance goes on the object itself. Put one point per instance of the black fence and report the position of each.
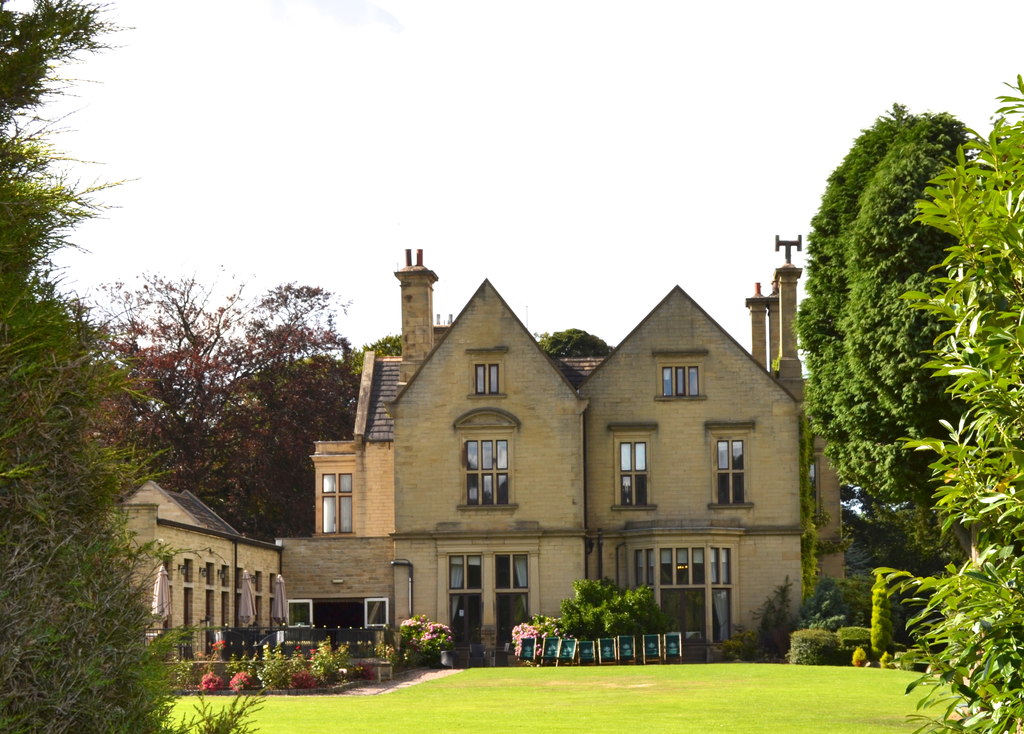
(250, 641)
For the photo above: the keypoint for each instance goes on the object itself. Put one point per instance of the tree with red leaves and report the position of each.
(231, 393)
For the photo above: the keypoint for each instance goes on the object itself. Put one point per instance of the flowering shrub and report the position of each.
(242, 682)
(538, 626)
(427, 639)
(303, 679)
(276, 671)
(327, 663)
(211, 682)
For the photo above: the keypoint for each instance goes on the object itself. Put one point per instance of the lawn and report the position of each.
(740, 698)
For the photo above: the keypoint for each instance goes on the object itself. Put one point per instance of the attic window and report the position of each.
(487, 379)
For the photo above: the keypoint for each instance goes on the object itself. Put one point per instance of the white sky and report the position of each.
(584, 156)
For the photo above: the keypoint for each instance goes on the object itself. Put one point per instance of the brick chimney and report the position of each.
(417, 283)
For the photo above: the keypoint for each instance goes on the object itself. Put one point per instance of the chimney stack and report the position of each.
(417, 284)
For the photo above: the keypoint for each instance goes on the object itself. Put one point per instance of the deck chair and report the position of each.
(607, 652)
(673, 647)
(587, 652)
(528, 648)
(627, 649)
(567, 650)
(550, 652)
(652, 648)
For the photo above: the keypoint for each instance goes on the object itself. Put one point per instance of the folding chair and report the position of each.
(528, 648)
(652, 648)
(627, 651)
(674, 647)
(550, 653)
(607, 652)
(567, 650)
(587, 652)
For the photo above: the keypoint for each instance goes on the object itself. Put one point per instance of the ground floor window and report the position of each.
(375, 612)
(695, 584)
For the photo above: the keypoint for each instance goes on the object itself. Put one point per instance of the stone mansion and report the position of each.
(483, 476)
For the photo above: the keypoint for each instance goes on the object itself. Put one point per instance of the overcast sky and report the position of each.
(584, 156)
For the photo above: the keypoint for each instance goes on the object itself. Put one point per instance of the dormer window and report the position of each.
(487, 380)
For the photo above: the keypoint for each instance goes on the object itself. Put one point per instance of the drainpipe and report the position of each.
(407, 564)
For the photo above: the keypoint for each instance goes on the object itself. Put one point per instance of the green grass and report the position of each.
(790, 699)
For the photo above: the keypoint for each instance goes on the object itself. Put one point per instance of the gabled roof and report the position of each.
(197, 512)
(677, 292)
(487, 289)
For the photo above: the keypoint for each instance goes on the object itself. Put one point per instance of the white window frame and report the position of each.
(298, 603)
(366, 611)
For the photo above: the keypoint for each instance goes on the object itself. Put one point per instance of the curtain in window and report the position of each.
(720, 613)
(520, 578)
(456, 572)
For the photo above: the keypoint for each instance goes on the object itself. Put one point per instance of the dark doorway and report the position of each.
(340, 614)
(467, 614)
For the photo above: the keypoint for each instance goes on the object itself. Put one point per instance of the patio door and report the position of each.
(467, 616)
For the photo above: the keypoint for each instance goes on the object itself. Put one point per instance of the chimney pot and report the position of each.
(419, 258)
(757, 290)
(408, 258)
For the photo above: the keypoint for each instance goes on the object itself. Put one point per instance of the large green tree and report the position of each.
(72, 652)
(573, 343)
(863, 344)
(973, 622)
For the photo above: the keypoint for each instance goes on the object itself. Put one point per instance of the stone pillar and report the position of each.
(417, 314)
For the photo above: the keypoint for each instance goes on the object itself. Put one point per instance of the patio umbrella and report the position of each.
(247, 601)
(279, 609)
(162, 595)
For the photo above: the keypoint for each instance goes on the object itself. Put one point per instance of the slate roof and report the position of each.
(576, 369)
(202, 514)
(379, 424)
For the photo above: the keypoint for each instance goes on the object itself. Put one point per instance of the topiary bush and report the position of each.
(860, 657)
(881, 619)
(853, 637)
(815, 647)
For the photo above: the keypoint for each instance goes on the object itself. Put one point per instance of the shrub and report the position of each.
(303, 679)
(815, 647)
(860, 657)
(211, 682)
(852, 637)
(326, 663)
(276, 670)
(775, 621)
(230, 719)
(602, 609)
(242, 681)
(825, 608)
(886, 661)
(741, 646)
(538, 626)
(244, 664)
(426, 639)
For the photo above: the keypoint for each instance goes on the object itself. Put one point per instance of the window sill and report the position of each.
(679, 398)
(634, 508)
(487, 508)
(731, 506)
(483, 395)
